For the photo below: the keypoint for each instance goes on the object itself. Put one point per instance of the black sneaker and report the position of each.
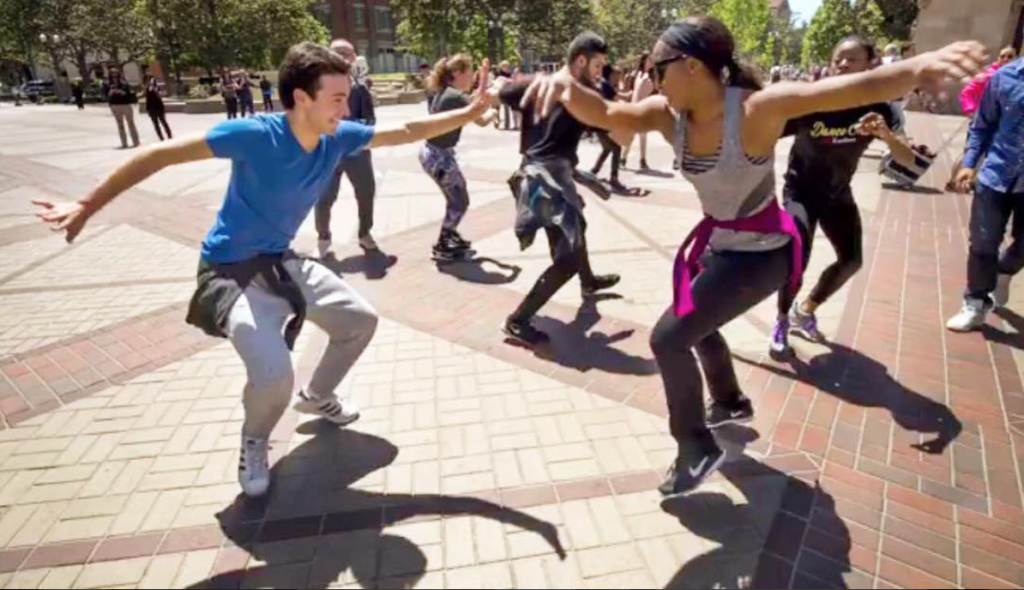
(524, 333)
(617, 186)
(694, 465)
(458, 242)
(444, 251)
(719, 415)
(602, 283)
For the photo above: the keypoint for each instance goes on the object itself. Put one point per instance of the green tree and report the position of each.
(695, 7)
(633, 26)
(546, 27)
(751, 24)
(19, 31)
(900, 16)
(837, 19)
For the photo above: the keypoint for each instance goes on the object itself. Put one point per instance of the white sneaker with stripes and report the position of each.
(331, 409)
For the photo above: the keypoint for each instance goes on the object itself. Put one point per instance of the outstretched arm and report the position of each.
(441, 123)
(590, 108)
(782, 102)
(71, 217)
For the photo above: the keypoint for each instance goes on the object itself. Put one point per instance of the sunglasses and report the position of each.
(661, 67)
(1007, 56)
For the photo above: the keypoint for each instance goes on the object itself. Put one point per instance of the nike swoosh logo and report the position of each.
(694, 472)
(735, 414)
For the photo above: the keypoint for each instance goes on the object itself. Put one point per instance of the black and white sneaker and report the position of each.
(694, 465)
(458, 242)
(331, 409)
(719, 415)
(601, 283)
(525, 333)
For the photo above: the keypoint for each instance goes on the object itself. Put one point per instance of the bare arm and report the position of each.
(782, 102)
(441, 123)
(429, 127)
(71, 217)
(590, 108)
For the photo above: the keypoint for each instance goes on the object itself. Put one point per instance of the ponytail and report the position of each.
(743, 76)
(444, 71)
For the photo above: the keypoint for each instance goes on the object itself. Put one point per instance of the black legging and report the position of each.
(568, 262)
(160, 118)
(611, 148)
(731, 284)
(231, 104)
(839, 218)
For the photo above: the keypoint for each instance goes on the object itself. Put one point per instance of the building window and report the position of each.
(383, 22)
(360, 17)
(322, 12)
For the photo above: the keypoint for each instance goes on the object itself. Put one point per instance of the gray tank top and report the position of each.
(731, 185)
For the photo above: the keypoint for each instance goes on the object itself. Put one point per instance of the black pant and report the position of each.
(268, 103)
(160, 118)
(568, 262)
(611, 148)
(359, 169)
(247, 105)
(731, 284)
(990, 214)
(232, 106)
(839, 218)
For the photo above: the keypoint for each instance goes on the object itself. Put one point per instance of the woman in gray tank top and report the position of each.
(724, 127)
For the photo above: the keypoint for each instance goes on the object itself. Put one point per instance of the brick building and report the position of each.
(370, 26)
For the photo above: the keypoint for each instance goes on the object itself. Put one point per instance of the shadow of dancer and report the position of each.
(474, 271)
(373, 264)
(757, 547)
(323, 470)
(862, 381)
(1014, 339)
(576, 346)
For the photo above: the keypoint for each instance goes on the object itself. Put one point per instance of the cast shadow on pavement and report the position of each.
(351, 544)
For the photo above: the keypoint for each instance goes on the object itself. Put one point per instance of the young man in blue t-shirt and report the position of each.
(250, 282)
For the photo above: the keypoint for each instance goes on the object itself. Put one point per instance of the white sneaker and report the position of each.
(970, 318)
(1001, 296)
(368, 243)
(323, 247)
(331, 409)
(254, 467)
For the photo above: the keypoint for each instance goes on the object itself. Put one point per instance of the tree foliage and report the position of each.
(837, 19)
(633, 26)
(751, 23)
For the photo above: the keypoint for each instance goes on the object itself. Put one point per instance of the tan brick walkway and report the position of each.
(890, 458)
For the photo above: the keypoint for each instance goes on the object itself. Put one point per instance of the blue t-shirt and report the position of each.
(274, 184)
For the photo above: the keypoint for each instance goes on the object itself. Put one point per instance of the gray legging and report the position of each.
(731, 284)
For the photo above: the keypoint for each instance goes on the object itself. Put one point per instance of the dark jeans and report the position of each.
(568, 262)
(247, 105)
(268, 103)
(731, 284)
(160, 118)
(231, 104)
(359, 169)
(839, 218)
(990, 215)
(610, 149)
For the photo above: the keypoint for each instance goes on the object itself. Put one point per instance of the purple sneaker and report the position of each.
(780, 349)
(808, 324)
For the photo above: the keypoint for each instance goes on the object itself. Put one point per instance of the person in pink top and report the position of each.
(970, 101)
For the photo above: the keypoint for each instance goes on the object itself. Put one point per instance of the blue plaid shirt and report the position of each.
(998, 131)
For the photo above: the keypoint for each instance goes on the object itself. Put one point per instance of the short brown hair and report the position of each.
(303, 67)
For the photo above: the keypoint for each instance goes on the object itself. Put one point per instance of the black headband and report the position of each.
(687, 39)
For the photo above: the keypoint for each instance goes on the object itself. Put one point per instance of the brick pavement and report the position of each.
(890, 458)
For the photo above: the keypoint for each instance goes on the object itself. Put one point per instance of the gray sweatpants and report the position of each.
(255, 327)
